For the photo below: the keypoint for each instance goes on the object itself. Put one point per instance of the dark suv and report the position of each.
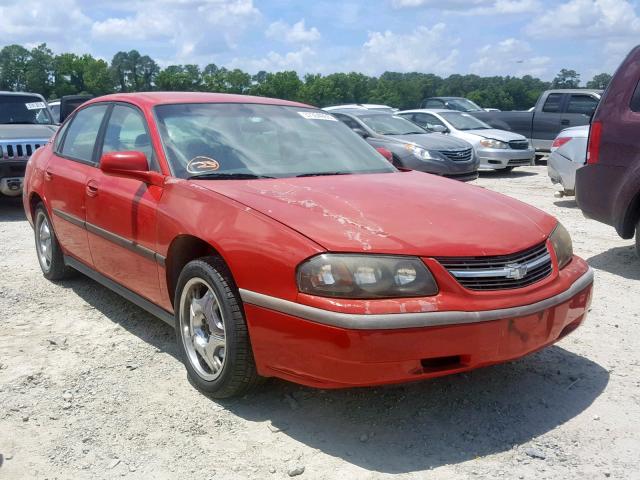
(608, 186)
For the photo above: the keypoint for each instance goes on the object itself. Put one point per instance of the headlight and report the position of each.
(422, 153)
(561, 241)
(365, 276)
(491, 143)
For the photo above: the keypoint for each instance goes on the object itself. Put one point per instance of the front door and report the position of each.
(121, 212)
(66, 178)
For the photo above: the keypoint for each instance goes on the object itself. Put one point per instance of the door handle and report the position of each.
(48, 175)
(92, 188)
(564, 121)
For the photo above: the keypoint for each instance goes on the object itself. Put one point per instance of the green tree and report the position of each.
(600, 81)
(13, 67)
(74, 74)
(566, 79)
(40, 70)
(133, 72)
(180, 78)
(285, 85)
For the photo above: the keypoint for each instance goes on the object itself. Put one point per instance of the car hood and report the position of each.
(502, 135)
(27, 132)
(411, 213)
(435, 141)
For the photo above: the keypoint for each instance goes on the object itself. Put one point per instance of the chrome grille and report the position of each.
(500, 272)
(19, 149)
(519, 144)
(458, 155)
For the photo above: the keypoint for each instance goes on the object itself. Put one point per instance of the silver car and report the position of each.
(568, 153)
(497, 149)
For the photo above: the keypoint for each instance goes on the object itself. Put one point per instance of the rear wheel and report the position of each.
(50, 255)
(211, 331)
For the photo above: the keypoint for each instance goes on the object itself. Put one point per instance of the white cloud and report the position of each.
(473, 7)
(423, 50)
(509, 57)
(296, 33)
(301, 60)
(195, 28)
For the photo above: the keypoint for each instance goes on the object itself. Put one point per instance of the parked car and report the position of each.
(54, 106)
(278, 243)
(459, 104)
(364, 106)
(554, 111)
(496, 149)
(608, 186)
(412, 146)
(568, 153)
(26, 124)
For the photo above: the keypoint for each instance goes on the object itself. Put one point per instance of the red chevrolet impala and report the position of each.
(280, 244)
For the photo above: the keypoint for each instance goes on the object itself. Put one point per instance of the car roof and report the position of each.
(4, 92)
(151, 99)
(576, 90)
(443, 98)
(428, 110)
(358, 112)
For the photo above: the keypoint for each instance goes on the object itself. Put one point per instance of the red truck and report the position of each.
(608, 186)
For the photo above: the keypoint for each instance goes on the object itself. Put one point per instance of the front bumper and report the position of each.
(12, 177)
(327, 349)
(498, 158)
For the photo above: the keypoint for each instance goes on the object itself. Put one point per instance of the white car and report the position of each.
(497, 149)
(363, 106)
(568, 154)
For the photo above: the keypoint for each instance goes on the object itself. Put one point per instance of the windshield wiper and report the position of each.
(226, 176)
(319, 174)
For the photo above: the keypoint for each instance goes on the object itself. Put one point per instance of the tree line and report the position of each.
(39, 70)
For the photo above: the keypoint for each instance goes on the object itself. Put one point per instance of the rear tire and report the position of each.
(50, 256)
(211, 331)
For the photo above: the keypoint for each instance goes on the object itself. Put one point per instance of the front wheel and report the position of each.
(211, 331)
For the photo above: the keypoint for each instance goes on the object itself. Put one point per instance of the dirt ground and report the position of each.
(90, 387)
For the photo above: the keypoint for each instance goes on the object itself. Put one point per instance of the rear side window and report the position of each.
(81, 135)
(426, 120)
(553, 103)
(584, 104)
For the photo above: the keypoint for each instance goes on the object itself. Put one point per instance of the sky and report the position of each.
(485, 37)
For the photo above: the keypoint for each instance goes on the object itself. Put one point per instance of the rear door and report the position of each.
(578, 109)
(66, 174)
(121, 212)
(547, 121)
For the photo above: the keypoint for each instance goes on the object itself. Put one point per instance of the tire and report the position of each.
(507, 169)
(50, 256)
(211, 331)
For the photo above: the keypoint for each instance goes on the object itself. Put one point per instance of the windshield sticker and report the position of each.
(202, 165)
(317, 116)
(35, 105)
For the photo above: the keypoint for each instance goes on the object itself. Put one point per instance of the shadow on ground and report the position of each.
(503, 174)
(405, 428)
(11, 209)
(622, 261)
(568, 203)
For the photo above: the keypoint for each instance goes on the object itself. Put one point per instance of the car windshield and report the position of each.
(390, 125)
(23, 109)
(464, 121)
(463, 105)
(234, 140)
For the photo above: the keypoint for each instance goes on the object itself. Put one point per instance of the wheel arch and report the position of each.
(182, 250)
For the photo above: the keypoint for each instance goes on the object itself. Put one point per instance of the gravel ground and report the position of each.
(90, 387)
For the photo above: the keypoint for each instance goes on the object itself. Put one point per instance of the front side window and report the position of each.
(427, 120)
(585, 104)
(251, 140)
(464, 121)
(82, 132)
(126, 131)
(23, 109)
(390, 125)
(553, 103)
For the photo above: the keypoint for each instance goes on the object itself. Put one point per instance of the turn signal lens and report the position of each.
(365, 276)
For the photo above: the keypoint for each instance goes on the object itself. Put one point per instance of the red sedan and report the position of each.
(280, 244)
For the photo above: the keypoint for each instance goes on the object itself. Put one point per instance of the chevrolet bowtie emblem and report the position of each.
(516, 271)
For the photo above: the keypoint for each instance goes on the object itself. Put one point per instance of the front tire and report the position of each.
(50, 256)
(211, 331)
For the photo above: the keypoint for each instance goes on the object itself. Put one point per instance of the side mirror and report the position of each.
(440, 129)
(385, 153)
(132, 164)
(362, 132)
